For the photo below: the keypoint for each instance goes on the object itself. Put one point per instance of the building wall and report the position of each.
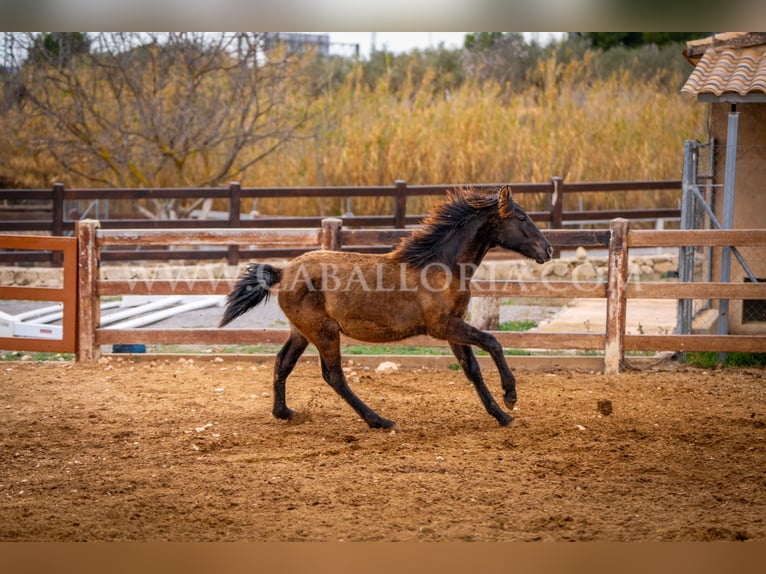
(749, 195)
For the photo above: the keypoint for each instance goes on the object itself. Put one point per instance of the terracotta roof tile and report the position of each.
(727, 70)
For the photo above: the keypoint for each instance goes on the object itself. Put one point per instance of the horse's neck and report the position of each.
(461, 247)
(474, 249)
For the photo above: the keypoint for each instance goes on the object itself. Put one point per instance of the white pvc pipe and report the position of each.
(54, 312)
(133, 311)
(38, 312)
(165, 313)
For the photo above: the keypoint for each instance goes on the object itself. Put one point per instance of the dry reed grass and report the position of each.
(480, 132)
(618, 129)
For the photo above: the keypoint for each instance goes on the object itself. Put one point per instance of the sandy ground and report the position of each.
(188, 451)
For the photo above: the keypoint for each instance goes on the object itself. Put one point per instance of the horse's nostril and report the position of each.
(549, 250)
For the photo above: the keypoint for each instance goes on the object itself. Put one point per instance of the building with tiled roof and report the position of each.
(729, 68)
(729, 76)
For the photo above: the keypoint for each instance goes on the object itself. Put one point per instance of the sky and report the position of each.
(398, 42)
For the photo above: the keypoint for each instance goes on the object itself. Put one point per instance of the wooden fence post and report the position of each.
(400, 204)
(57, 223)
(89, 308)
(616, 298)
(557, 209)
(234, 219)
(331, 227)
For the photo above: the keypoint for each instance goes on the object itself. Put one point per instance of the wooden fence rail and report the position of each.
(54, 219)
(617, 289)
(83, 288)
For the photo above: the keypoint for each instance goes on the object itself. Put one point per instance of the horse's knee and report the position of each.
(493, 347)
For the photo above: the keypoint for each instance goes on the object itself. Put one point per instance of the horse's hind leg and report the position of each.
(285, 363)
(470, 365)
(329, 352)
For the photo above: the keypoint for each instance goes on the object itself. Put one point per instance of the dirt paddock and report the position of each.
(179, 450)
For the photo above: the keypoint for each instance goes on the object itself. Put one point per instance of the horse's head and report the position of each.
(517, 232)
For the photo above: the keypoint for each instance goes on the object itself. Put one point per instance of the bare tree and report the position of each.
(147, 110)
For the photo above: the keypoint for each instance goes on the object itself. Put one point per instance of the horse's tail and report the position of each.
(252, 288)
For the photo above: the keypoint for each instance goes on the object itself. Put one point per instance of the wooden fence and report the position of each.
(617, 290)
(52, 217)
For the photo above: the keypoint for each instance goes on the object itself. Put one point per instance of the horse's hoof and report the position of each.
(285, 414)
(507, 421)
(510, 401)
(382, 424)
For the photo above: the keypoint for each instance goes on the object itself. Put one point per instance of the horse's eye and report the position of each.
(521, 217)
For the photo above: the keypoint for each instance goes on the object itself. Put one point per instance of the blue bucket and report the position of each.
(128, 348)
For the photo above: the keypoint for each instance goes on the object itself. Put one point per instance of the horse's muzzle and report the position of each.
(544, 255)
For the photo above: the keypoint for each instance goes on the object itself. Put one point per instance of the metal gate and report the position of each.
(66, 295)
(702, 187)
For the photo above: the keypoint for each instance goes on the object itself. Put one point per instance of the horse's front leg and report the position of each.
(470, 366)
(457, 331)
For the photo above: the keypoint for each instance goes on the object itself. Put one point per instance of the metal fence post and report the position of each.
(730, 172)
(616, 297)
(686, 253)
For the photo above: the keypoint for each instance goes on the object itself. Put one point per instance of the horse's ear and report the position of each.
(505, 201)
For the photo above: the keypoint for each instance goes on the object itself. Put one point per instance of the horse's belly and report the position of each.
(369, 297)
(374, 317)
(372, 332)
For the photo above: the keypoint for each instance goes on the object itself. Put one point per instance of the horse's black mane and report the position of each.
(437, 240)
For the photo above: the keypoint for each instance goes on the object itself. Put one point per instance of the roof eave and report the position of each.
(731, 98)
(695, 49)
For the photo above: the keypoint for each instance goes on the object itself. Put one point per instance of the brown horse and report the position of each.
(422, 287)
